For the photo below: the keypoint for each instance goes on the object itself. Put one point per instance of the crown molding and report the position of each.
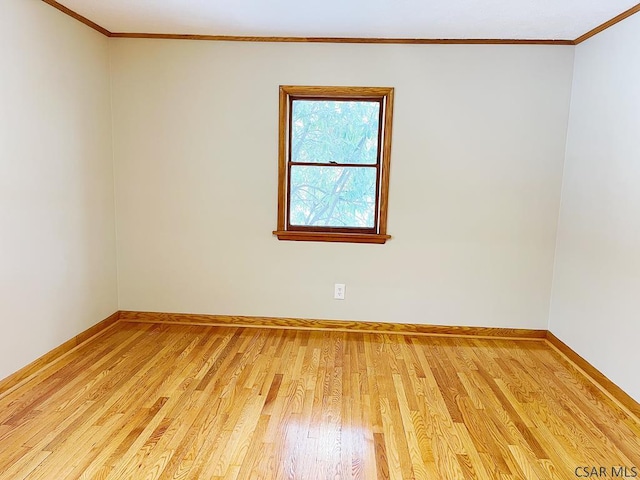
(365, 40)
(607, 24)
(78, 17)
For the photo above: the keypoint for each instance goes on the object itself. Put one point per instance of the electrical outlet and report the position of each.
(338, 291)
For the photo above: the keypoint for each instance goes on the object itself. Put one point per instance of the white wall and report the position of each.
(596, 293)
(57, 241)
(478, 150)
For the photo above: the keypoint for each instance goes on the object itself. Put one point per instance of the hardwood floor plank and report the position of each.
(145, 401)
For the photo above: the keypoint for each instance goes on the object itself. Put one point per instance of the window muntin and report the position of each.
(334, 163)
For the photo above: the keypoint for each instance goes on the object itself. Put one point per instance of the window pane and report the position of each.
(333, 196)
(334, 131)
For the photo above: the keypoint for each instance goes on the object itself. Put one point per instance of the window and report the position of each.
(333, 175)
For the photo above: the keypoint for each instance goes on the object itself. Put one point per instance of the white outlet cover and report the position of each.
(339, 291)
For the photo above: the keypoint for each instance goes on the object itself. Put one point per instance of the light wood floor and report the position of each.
(149, 401)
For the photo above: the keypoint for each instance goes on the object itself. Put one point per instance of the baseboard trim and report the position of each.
(19, 377)
(336, 325)
(598, 378)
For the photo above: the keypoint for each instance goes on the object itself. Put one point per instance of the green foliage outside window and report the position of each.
(343, 138)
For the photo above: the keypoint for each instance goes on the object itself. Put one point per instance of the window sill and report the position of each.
(332, 237)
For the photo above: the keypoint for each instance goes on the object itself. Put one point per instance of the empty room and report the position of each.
(342, 240)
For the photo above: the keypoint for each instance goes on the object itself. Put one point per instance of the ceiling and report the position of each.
(430, 19)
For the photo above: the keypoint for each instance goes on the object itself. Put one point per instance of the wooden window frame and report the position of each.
(376, 234)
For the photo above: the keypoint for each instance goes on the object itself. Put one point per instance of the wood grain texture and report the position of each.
(16, 378)
(377, 234)
(370, 40)
(282, 159)
(633, 10)
(386, 162)
(331, 237)
(317, 91)
(78, 17)
(305, 323)
(598, 377)
(159, 401)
